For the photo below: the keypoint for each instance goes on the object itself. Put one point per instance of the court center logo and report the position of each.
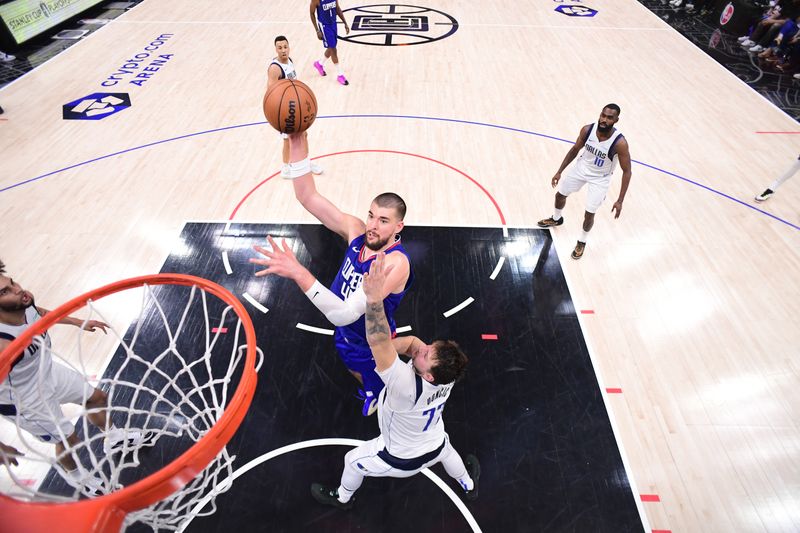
(576, 11)
(398, 25)
(96, 106)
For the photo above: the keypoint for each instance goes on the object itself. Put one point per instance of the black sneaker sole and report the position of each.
(323, 496)
(474, 470)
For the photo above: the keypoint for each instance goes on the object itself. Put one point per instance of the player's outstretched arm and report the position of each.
(579, 143)
(624, 155)
(281, 261)
(305, 190)
(379, 336)
(88, 325)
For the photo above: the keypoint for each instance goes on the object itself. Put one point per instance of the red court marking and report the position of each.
(221, 330)
(613, 390)
(481, 187)
(650, 497)
(587, 311)
(780, 132)
(661, 531)
(488, 337)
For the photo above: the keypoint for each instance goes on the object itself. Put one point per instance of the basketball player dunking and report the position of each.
(344, 303)
(603, 146)
(282, 68)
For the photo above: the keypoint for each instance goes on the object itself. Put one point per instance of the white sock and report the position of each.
(786, 175)
(322, 61)
(584, 236)
(339, 68)
(557, 214)
(466, 483)
(344, 494)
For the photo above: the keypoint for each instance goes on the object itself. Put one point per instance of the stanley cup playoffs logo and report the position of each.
(398, 25)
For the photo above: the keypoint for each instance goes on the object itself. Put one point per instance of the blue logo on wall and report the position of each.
(576, 11)
(96, 106)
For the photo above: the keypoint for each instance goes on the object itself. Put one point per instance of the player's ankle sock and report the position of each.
(340, 69)
(584, 236)
(556, 214)
(344, 494)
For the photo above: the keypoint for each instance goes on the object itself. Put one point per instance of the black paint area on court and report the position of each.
(530, 407)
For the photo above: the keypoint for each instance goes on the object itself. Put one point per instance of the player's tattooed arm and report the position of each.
(377, 325)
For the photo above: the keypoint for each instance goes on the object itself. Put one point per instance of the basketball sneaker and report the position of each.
(549, 222)
(6, 58)
(329, 496)
(474, 471)
(320, 69)
(370, 402)
(117, 439)
(764, 195)
(342, 80)
(315, 169)
(577, 253)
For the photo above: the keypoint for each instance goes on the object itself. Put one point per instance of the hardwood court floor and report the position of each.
(693, 291)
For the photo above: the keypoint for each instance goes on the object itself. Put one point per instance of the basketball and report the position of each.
(290, 106)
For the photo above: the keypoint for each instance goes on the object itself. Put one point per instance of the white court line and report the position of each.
(403, 329)
(227, 227)
(254, 302)
(228, 269)
(225, 484)
(459, 307)
(313, 329)
(505, 231)
(496, 270)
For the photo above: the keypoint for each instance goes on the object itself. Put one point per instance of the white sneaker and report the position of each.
(743, 38)
(285, 171)
(316, 169)
(118, 439)
(747, 43)
(5, 58)
(764, 195)
(755, 49)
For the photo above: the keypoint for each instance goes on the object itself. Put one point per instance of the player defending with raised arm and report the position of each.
(603, 147)
(344, 303)
(409, 408)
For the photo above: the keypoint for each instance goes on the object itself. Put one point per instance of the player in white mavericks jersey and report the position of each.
(33, 391)
(409, 407)
(603, 146)
(282, 68)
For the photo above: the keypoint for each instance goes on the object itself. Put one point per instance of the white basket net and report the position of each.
(168, 382)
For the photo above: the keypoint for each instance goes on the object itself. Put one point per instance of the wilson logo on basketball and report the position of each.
(727, 14)
(291, 119)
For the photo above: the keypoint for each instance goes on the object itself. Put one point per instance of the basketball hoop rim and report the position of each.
(110, 509)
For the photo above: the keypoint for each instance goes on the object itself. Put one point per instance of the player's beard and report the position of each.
(604, 129)
(377, 245)
(21, 306)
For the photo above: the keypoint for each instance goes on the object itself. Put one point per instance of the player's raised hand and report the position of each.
(279, 261)
(376, 277)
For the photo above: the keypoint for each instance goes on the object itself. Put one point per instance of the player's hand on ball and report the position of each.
(279, 261)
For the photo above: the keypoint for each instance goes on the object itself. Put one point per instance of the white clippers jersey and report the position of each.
(598, 159)
(410, 412)
(287, 68)
(24, 372)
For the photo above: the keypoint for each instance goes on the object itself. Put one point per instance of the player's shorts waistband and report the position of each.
(410, 464)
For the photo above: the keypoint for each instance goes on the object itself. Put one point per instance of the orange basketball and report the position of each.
(290, 106)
